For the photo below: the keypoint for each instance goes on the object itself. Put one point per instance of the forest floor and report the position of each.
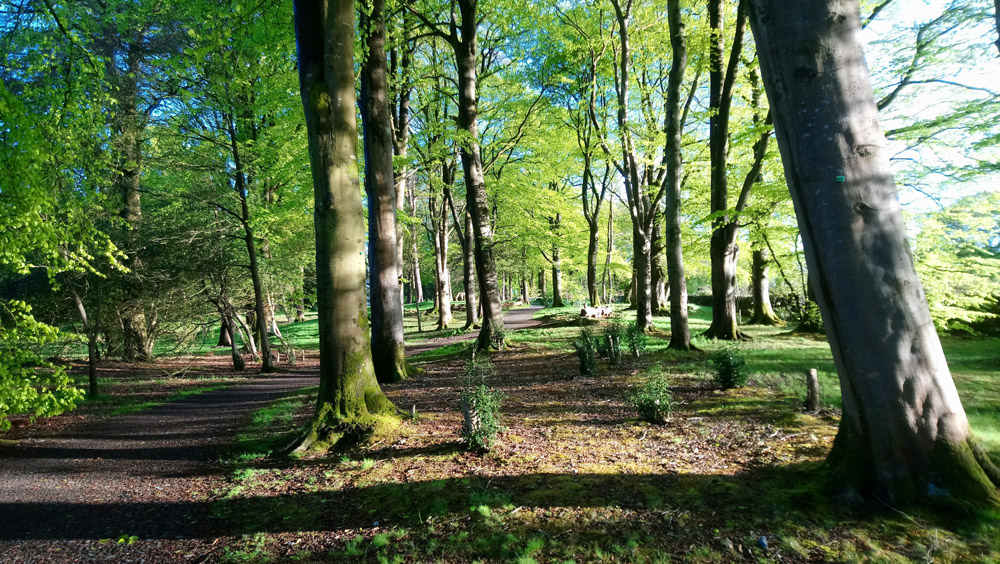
(733, 476)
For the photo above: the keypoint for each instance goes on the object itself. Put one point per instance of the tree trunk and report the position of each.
(247, 333)
(541, 284)
(763, 313)
(657, 271)
(401, 136)
(388, 350)
(238, 364)
(439, 227)
(903, 434)
(680, 332)
(349, 398)
(224, 333)
(418, 286)
(469, 276)
(643, 278)
(723, 249)
(593, 233)
(609, 289)
(251, 245)
(491, 334)
(557, 300)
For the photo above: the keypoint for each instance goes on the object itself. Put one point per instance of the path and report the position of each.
(73, 496)
(513, 319)
(136, 488)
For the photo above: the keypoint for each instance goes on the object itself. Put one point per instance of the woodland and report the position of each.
(462, 281)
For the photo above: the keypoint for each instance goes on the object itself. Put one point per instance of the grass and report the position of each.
(124, 406)
(578, 478)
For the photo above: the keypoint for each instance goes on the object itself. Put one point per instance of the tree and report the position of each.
(903, 434)
(460, 33)
(384, 254)
(680, 333)
(350, 399)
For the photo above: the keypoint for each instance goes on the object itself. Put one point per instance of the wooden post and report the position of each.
(812, 391)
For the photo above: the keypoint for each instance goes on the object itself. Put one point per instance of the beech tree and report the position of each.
(383, 251)
(350, 399)
(904, 434)
(460, 33)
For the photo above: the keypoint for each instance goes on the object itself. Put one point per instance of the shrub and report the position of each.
(636, 338)
(613, 341)
(652, 400)
(810, 320)
(480, 406)
(585, 352)
(730, 369)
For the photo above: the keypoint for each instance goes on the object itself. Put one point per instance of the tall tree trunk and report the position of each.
(469, 275)
(723, 249)
(763, 313)
(349, 396)
(400, 68)
(93, 357)
(555, 224)
(491, 334)
(903, 434)
(680, 332)
(388, 350)
(247, 332)
(593, 234)
(657, 270)
(238, 364)
(609, 289)
(438, 209)
(541, 284)
(418, 285)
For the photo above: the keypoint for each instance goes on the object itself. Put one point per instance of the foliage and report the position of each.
(810, 320)
(957, 254)
(730, 369)
(585, 352)
(652, 400)
(636, 339)
(29, 384)
(613, 333)
(480, 406)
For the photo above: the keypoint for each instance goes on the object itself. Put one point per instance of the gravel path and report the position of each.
(136, 488)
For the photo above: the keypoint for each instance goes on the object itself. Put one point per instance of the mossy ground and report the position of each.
(578, 478)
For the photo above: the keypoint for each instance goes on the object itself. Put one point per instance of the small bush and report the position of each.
(636, 338)
(810, 320)
(730, 369)
(652, 400)
(585, 352)
(480, 406)
(612, 344)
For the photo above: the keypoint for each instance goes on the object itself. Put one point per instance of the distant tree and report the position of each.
(903, 435)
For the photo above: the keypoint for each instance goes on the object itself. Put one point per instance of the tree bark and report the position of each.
(723, 247)
(491, 333)
(680, 332)
(903, 435)
(385, 296)
(763, 313)
(349, 399)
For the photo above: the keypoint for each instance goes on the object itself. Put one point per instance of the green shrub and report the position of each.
(480, 406)
(636, 339)
(611, 345)
(585, 352)
(652, 400)
(730, 369)
(810, 320)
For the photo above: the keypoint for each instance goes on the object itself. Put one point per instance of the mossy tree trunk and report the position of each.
(388, 349)
(350, 399)
(903, 435)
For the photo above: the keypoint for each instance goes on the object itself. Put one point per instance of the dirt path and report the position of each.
(136, 488)
(127, 488)
(513, 319)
